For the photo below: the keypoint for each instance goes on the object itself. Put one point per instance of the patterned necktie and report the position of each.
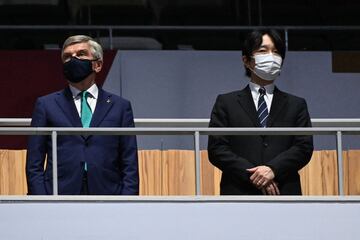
(86, 113)
(263, 112)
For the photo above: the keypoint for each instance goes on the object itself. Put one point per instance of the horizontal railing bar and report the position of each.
(178, 131)
(335, 122)
(15, 122)
(174, 199)
(171, 28)
(204, 122)
(196, 122)
(172, 122)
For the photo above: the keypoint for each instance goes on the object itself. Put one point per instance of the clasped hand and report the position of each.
(262, 177)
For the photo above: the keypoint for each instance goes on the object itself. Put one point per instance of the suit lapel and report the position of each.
(66, 103)
(247, 103)
(278, 103)
(103, 105)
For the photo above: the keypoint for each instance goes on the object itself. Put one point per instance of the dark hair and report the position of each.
(253, 42)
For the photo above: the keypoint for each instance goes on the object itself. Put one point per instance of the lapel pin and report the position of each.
(108, 101)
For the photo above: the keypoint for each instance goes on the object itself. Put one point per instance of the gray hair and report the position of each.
(95, 47)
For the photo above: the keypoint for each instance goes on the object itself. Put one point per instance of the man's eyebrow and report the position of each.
(82, 50)
(264, 46)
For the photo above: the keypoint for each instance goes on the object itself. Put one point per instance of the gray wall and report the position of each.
(184, 84)
(179, 220)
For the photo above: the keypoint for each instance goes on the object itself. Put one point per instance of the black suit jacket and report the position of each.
(285, 155)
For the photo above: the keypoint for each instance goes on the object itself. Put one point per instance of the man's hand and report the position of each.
(271, 189)
(261, 176)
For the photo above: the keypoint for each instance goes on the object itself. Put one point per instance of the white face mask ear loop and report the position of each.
(253, 70)
(248, 64)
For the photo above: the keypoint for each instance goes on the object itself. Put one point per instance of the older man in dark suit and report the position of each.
(86, 164)
(254, 165)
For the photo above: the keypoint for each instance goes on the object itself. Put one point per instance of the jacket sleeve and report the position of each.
(299, 154)
(219, 149)
(36, 153)
(129, 156)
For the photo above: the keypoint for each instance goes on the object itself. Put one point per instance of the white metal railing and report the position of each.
(193, 122)
(177, 199)
(196, 132)
(111, 28)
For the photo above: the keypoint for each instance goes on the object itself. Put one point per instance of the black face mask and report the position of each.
(77, 70)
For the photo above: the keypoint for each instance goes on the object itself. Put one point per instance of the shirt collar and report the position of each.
(255, 88)
(93, 90)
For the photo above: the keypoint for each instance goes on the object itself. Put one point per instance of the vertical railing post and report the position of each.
(260, 12)
(286, 39)
(197, 162)
(339, 152)
(89, 14)
(111, 38)
(249, 12)
(54, 162)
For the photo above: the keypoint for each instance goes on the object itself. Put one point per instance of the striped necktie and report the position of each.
(263, 112)
(86, 113)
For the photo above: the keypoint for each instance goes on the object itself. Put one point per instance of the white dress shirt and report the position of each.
(268, 96)
(93, 96)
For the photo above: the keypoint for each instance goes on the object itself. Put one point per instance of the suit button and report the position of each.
(86, 144)
(265, 144)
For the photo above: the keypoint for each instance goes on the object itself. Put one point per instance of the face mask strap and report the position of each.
(91, 60)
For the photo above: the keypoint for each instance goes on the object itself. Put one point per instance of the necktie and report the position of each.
(263, 112)
(86, 113)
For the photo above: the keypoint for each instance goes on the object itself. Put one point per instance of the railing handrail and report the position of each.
(194, 122)
(176, 27)
(196, 132)
(111, 28)
(177, 199)
(179, 131)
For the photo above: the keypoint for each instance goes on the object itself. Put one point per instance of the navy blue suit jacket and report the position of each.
(111, 160)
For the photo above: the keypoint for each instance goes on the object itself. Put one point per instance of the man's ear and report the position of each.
(97, 65)
(246, 61)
